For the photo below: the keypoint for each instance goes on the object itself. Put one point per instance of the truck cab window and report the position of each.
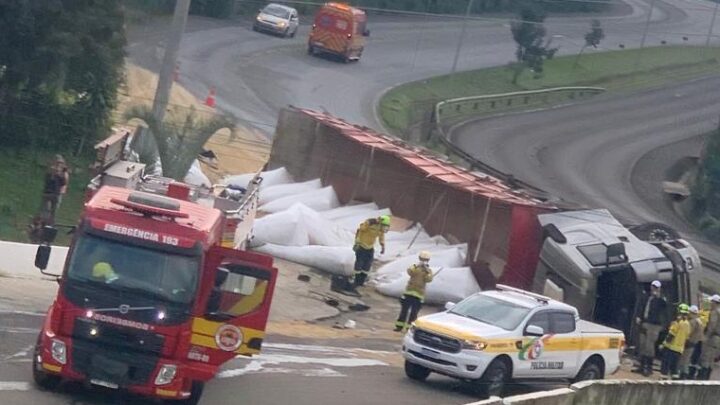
(240, 294)
(540, 319)
(562, 322)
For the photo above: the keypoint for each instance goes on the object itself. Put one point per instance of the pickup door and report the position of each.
(555, 353)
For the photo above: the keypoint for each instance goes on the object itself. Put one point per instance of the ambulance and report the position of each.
(495, 337)
(339, 29)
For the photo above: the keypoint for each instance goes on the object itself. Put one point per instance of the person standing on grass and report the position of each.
(63, 168)
(55, 179)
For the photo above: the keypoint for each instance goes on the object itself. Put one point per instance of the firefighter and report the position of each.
(691, 355)
(105, 272)
(711, 346)
(652, 321)
(674, 345)
(411, 301)
(367, 234)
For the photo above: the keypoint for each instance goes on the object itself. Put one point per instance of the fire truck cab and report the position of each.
(149, 301)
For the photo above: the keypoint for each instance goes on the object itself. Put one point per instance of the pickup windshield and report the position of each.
(169, 277)
(491, 311)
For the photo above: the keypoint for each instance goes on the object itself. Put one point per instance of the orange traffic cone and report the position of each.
(210, 100)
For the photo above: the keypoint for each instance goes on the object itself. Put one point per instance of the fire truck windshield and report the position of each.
(169, 277)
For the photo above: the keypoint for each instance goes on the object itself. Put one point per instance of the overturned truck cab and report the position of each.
(593, 262)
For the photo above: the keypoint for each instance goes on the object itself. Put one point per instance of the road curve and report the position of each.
(588, 152)
(257, 74)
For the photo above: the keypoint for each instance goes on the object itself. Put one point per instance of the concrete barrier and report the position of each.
(561, 396)
(489, 401)
(621, 392)
(613, 392)
(20, 259)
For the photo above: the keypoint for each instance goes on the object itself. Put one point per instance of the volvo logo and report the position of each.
(124, 309)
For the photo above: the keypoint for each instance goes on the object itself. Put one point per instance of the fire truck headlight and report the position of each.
(166, 374)
(58, 350)
(161, 315)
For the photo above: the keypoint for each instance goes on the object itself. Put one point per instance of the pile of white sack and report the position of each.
(304, 223)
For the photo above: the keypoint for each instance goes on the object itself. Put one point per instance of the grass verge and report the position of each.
(21, 180)
(617, 71)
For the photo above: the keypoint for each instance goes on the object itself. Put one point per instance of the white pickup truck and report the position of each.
(494, 337)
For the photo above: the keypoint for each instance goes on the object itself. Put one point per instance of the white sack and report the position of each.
(319, 200)
(352, 222)
(334, 260)
(349, 210)
(282, 190)
(452, 284)
(452, 256)
(196, 177)
(299, 226)
(270, 178)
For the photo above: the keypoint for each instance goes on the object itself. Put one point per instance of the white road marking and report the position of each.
(277, 357)
(19, 330)
(22, 353)
(14, 386)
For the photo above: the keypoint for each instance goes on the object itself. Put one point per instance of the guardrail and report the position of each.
(455, 110)
(468, 107)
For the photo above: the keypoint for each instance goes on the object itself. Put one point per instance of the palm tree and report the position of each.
(176, 144)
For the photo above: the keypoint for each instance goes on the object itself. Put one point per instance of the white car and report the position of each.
(277, 19)
(494, 337)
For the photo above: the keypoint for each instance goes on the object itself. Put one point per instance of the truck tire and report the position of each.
(416, 372)
(591, 370)
(654, 232)
(195, 393)
(42, 378)
(493, 380)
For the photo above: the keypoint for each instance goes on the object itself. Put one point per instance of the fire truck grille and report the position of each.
(435, 341)
(117, 337)
(112, 365)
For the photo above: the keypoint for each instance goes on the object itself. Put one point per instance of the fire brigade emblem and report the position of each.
(228, 338)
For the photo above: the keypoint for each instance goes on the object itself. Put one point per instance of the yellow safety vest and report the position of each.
(679, 330)
(368, 232)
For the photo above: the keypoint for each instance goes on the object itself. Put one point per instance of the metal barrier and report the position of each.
(468, 107)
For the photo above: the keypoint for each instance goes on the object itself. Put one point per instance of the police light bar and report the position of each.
(540, 298)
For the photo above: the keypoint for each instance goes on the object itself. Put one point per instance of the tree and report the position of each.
(529, 34)
(60, 65)
(179, 144)
(592, 38)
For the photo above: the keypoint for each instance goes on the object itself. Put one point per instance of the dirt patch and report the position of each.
(245, 150)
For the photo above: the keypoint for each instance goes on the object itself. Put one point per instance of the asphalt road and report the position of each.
(257, 74)
(289, 371)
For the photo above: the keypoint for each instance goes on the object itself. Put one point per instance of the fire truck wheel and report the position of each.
(195, 394)
(43, 379)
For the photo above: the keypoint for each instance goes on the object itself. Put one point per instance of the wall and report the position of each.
(621, 392)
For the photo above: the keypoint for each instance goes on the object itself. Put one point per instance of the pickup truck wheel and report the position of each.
(416, 371)
(589, 371)
(195, 393)
(492, 383)
(42, 378)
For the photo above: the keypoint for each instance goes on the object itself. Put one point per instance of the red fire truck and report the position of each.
(150, 302)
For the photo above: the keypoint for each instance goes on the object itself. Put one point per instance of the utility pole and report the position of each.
(712, 25)
(462, 37)
(172, 47)
(645, 32)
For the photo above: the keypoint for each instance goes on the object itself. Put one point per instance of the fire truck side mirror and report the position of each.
(42, 257)
(48, 234)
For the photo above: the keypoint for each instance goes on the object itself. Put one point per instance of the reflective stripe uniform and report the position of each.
(365, 236)
(412, 299)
